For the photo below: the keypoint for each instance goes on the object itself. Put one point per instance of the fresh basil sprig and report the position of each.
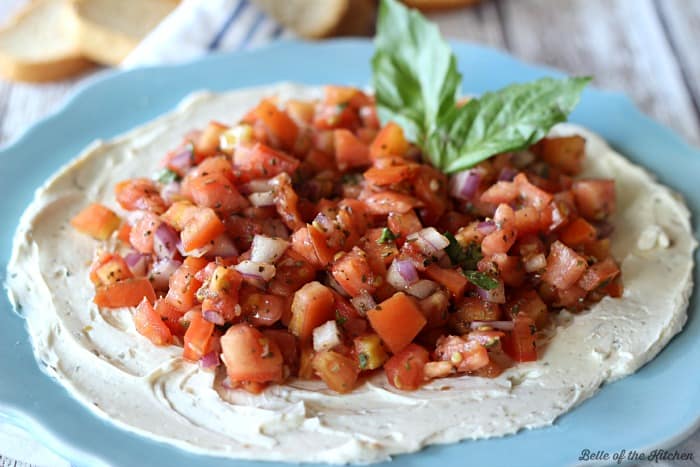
(416, 83)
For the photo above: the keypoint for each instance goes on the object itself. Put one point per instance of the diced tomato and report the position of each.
(391, 174)
(150, 325)
(251, 356)
(599, 274)
(528, 221)
(595, 199)
(197, 336)
(336, 370)
(282, 131)
(286, 202)
(564, 266)
(179, 213)
(405, 370)
(504, 237)
(140, 194)
(128, 292)
(302, 245)
(171, 317)
(320, 244)
(353, 273)
(333, 116)
(473, 309)
(565, 152)
(530, 194)
(301, 112)
(403, 224)
(288, 345)
(184, 284)
(109, 268)
(500, 192)
(384, 202)
(96, 220)
(529, 303)
(578, 232)
(261, 161)
(510, 269)
(397, 320)
(207, 144)
(263, 309)
(452, 279)
(350, 152)
(465, 355)
(201, 229)
(313, 305)
(292, 271)
(217, 192)
(435, 308)
(519, 344)
(389, 142)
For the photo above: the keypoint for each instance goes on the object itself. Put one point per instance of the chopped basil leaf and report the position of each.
(167, 176)
(481, 280)
(386, 236)
(467, 258)
(340, 319)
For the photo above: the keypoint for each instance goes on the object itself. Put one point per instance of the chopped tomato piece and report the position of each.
(504, 237)
(578, 232)
(251, 356)
(313, 305)
(128, 292)
(389, 142)
(390, 201)
(405, 370)
(96, 220)
(464, 354)
(217, 192)
(207, 144)
(184, 284)
(197, 336)
(140, 194)
(599, 275)
(336, 370)
(350, 152)
(201, 229)
(530, 194)
(403, 224)
(109, 268)
(143, 232)
(564, 266)
(397, 320)
(473, 309)
(390, 175)
(452, 279)
(519, 344)
(565, 152)
(292, 272)
(529, 303)
(595, 199)
(282, 131)
(150, 325)
(353, 273)
(261, 161)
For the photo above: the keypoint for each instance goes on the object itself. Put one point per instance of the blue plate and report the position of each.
(656, 407)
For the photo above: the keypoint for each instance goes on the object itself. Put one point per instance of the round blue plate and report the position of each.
(656, 407)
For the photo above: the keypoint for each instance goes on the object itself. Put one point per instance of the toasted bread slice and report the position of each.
(314, 19)
(107, 30)
(37, 44)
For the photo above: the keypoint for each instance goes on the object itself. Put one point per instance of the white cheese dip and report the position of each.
(120, 375)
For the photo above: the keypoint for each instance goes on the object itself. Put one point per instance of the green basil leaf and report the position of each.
(167, 176)
(415, 75)
(386, 236)
(481, 280)
(467, 258)
(510, 119)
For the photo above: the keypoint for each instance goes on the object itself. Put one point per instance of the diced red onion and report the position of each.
(500, 325)
(266, 249)
(255, 186)
(221, 246)
(210, 360)
(465, 184)
(137, 262)
(183, 159)
(422, 289)
(322, 221)
(213, 317)
(170, 192)
(495, 295)
(326, 336)
(486, 227)
(604, 229)
(265, 198)
(256, 269)
(507, 174)
(401, 274)
(161, 271)
(535, 263)
(165, 241)
(363, 303)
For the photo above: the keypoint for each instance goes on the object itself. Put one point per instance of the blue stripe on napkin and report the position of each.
(242, 4)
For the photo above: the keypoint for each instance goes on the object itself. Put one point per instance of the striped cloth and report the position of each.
(193, 29)
(197, 27)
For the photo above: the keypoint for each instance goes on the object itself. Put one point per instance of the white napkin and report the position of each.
(193, 29)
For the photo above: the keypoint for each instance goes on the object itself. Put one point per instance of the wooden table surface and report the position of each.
(647, 49)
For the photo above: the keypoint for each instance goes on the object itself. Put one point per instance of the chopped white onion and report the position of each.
(259, 200)
(165, 241)
(213, 317)
(254, 269)
(430, 241)
(326, 336)
(259, 185)
(266, 249)
(500, 325)
(535, 263)
(363, 303)
(422, 289)
(161, 271)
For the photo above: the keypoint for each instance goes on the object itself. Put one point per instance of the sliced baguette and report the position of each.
(37, 44)
(107, 30)
(315, 19)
